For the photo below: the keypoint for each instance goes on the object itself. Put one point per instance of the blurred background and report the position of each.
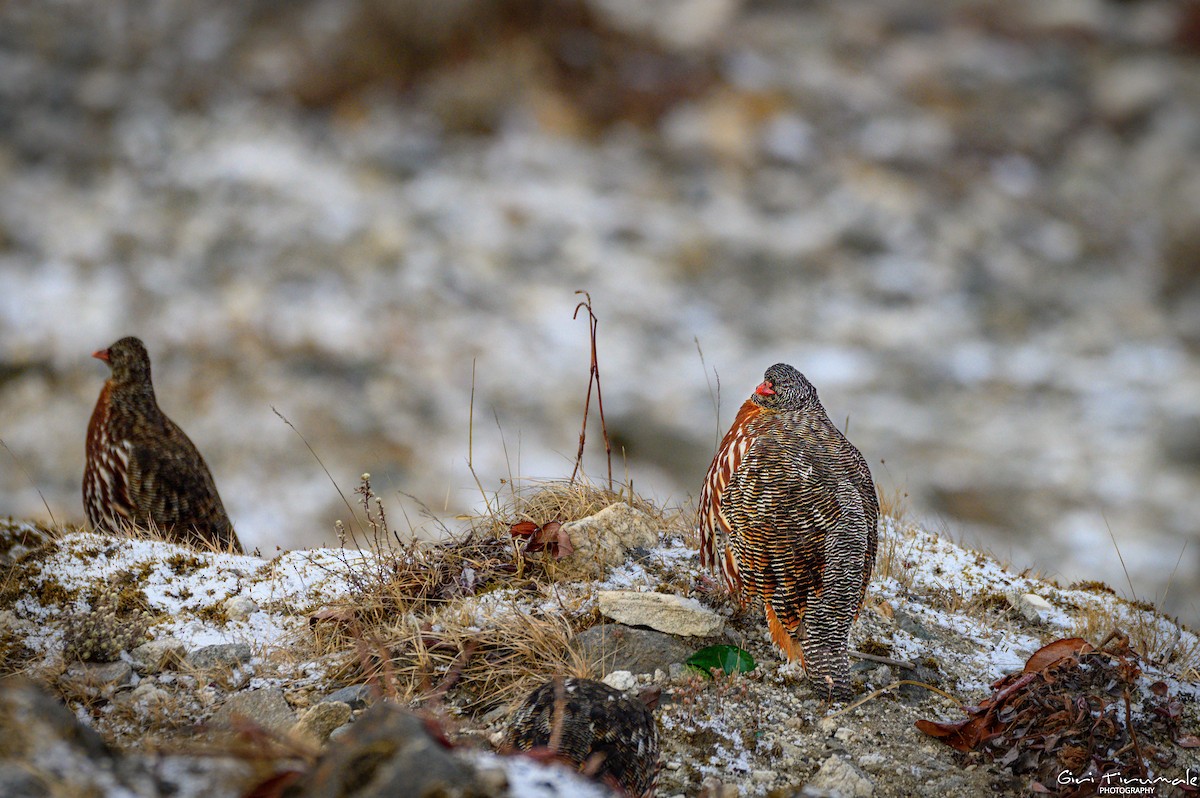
(974, 225)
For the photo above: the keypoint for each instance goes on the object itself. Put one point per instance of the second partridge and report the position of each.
(141, 468)
(789, 516)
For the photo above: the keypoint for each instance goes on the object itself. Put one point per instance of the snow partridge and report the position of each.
(789, 516)
(141, 468)
(592, 727)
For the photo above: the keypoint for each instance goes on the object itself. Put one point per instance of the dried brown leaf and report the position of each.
(1051, 653)
(523, 529)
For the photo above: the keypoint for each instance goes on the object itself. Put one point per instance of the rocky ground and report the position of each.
(973, 224)
(211, 673)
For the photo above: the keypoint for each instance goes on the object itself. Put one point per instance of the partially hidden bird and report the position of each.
(141, 469)
(594, 728)
(789, 517)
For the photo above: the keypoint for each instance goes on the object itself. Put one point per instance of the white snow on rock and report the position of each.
(529, 779)
(181, 587)
(931, 580)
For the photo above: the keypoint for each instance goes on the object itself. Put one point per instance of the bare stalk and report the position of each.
(593, 378)
(31, 482)
(345, 501)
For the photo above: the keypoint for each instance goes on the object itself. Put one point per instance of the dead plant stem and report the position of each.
(593, 378)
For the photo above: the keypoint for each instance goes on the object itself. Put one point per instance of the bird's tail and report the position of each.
(827, 669)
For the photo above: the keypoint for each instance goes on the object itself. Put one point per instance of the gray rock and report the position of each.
(908, 624)
(602, 540)
(356, 696)
(98, 678)
(317, 722)
(714, 787)
(385, 753)
(55, 754)
(662, 611)
(837, 778)
(678, 24)
(828, 726)
(43, 718)
(614, 647)
(221, 655)
(911, 693)
(239, 608)
(341, 731)
(620, 680)
(1130, 88)
(266, 708)
(146, 694)
(873, 760)
(1031, 606)
(16, 780)
(155, 656)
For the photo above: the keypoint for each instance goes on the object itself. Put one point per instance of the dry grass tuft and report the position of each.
(1153, 635)
(487, 661)
(898, 555)
(131, 531)
(153, 533)
(459, 620)
(542, 501)
(893, 503)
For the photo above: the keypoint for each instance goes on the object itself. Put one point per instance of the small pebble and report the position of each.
(239, 608)
(620, 680)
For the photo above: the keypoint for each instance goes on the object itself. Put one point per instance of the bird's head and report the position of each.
(784, 388)
(128, 359)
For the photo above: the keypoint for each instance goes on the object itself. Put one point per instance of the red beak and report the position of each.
(101, 354)
(764, 389)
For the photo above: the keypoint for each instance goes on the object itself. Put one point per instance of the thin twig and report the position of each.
(317, 457)
(471, 442)
(1171, 578)
(512, 481)
(456, 671)
(593, 377)
(891, 687)
(375, 659)
(1137, 749)
(1132, 592)
(896, 663)
(715, 397)
(31, 482)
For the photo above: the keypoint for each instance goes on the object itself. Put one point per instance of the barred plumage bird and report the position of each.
(141, 468)
(595, 728)
(789, 516)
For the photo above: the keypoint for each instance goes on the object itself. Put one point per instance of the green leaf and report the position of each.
(729, 659)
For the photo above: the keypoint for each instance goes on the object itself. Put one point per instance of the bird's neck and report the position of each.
(135, 397)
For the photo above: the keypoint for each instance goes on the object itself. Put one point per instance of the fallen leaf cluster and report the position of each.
(1076, 718)
(549, 537)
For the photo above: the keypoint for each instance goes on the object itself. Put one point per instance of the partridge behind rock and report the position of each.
(593, 727)
(141, 468)
(789, 516)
